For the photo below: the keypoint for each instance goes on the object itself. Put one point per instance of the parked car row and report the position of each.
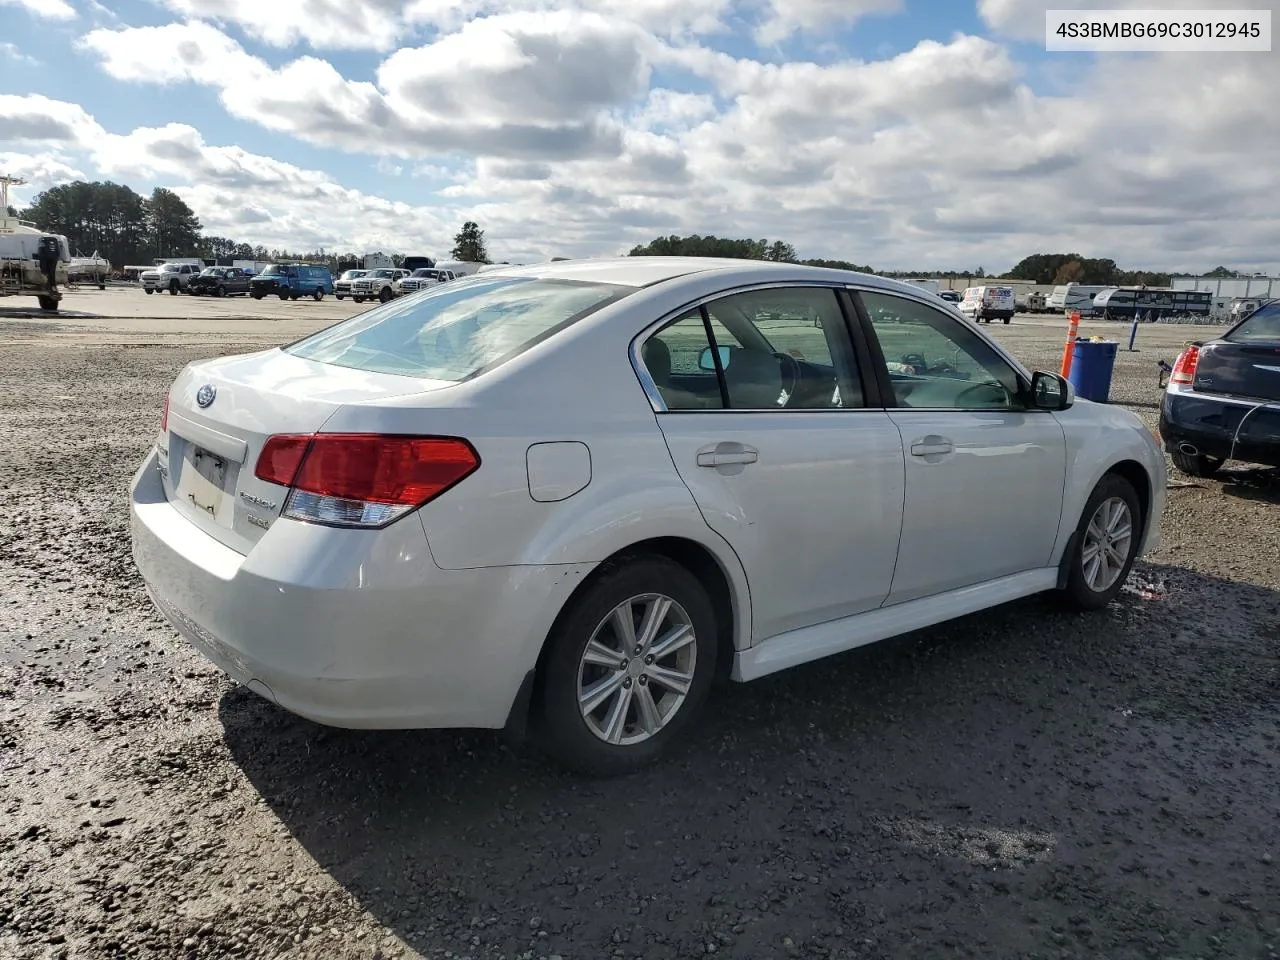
(387, 283)
(290, 281)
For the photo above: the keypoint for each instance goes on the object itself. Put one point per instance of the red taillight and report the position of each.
(362, 479)
(407, 471)
(280, 458)
(1184, 368)
(164, 416)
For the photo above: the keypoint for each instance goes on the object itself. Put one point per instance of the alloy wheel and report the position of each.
(1108, 539)
(637, 669)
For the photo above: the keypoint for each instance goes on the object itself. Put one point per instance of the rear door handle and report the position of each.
(932, 446)
(726, 453)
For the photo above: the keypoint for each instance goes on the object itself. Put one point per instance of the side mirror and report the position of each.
(1051, 392)
(707, 362)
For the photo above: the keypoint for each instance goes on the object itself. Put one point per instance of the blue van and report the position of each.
(289, 281)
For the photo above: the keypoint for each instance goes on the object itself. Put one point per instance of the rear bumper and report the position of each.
(348, 628)
(1221, 427)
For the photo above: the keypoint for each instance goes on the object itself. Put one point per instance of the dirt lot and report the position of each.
(1020, 783)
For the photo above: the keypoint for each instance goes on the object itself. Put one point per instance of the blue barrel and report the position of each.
(1091, 366)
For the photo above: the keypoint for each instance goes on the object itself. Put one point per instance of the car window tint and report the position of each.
(785, 348)
(935, 361)
(672, 358)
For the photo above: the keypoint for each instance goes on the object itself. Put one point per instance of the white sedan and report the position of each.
(566, 497)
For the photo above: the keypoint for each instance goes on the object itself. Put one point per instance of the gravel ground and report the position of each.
(1020, 783)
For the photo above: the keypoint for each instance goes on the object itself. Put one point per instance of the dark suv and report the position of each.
(219, 282)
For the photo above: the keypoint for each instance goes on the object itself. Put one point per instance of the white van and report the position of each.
(988, 303)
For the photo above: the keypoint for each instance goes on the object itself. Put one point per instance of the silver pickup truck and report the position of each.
(169, 276)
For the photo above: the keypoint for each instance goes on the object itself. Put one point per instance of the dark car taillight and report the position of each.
(1184, 368)
(362, 479)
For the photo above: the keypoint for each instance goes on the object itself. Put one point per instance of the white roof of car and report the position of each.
(645, 271)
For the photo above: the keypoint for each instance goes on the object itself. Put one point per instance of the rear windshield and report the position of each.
(1262, 324)
(457, 331)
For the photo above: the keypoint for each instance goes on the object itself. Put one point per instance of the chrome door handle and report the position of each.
(724, 454)
(932, 446)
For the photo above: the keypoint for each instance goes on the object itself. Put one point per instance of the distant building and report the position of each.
(1236, 288)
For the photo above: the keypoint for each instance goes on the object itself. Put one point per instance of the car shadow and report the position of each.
(1261, 484)
(1027, 754)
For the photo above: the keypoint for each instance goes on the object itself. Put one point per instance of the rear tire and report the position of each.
(1007, 319)
(1197, 465)
(48, 303)
(647, 713)
(317, 294)
(283, 294)
(1106, 544)
(256, 296)
(337, 296)
(222, 291)
(358, 299)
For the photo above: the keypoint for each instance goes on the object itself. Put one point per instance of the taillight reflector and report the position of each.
(362, 479)
(164, 416)
(1184, 369)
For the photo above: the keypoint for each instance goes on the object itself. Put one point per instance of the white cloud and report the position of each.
(48, 9)
(11, 51)
(174, 53)
(549, 128)
(520, 85)
(788, 16)
(662, 17)
(322, 24)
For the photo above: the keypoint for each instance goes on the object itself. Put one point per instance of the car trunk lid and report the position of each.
(1242, 369)
(221, 413)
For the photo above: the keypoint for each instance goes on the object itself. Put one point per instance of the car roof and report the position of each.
(647, 271)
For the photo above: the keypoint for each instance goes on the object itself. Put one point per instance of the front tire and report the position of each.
(148, 291)
(384, 295)
(629, 666)
(1195, 465)
(173, 289)
(1106, 544)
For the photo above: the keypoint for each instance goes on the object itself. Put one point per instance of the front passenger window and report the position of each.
(935, 362)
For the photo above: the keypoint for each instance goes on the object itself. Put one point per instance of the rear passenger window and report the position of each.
(776, 349)
(673, 357)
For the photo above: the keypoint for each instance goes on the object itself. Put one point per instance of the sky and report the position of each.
(904, 134)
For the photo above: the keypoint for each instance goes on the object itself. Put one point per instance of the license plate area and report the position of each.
(204, 484)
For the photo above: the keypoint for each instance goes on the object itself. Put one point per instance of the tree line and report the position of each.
(1040, 268)
(129, 229)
